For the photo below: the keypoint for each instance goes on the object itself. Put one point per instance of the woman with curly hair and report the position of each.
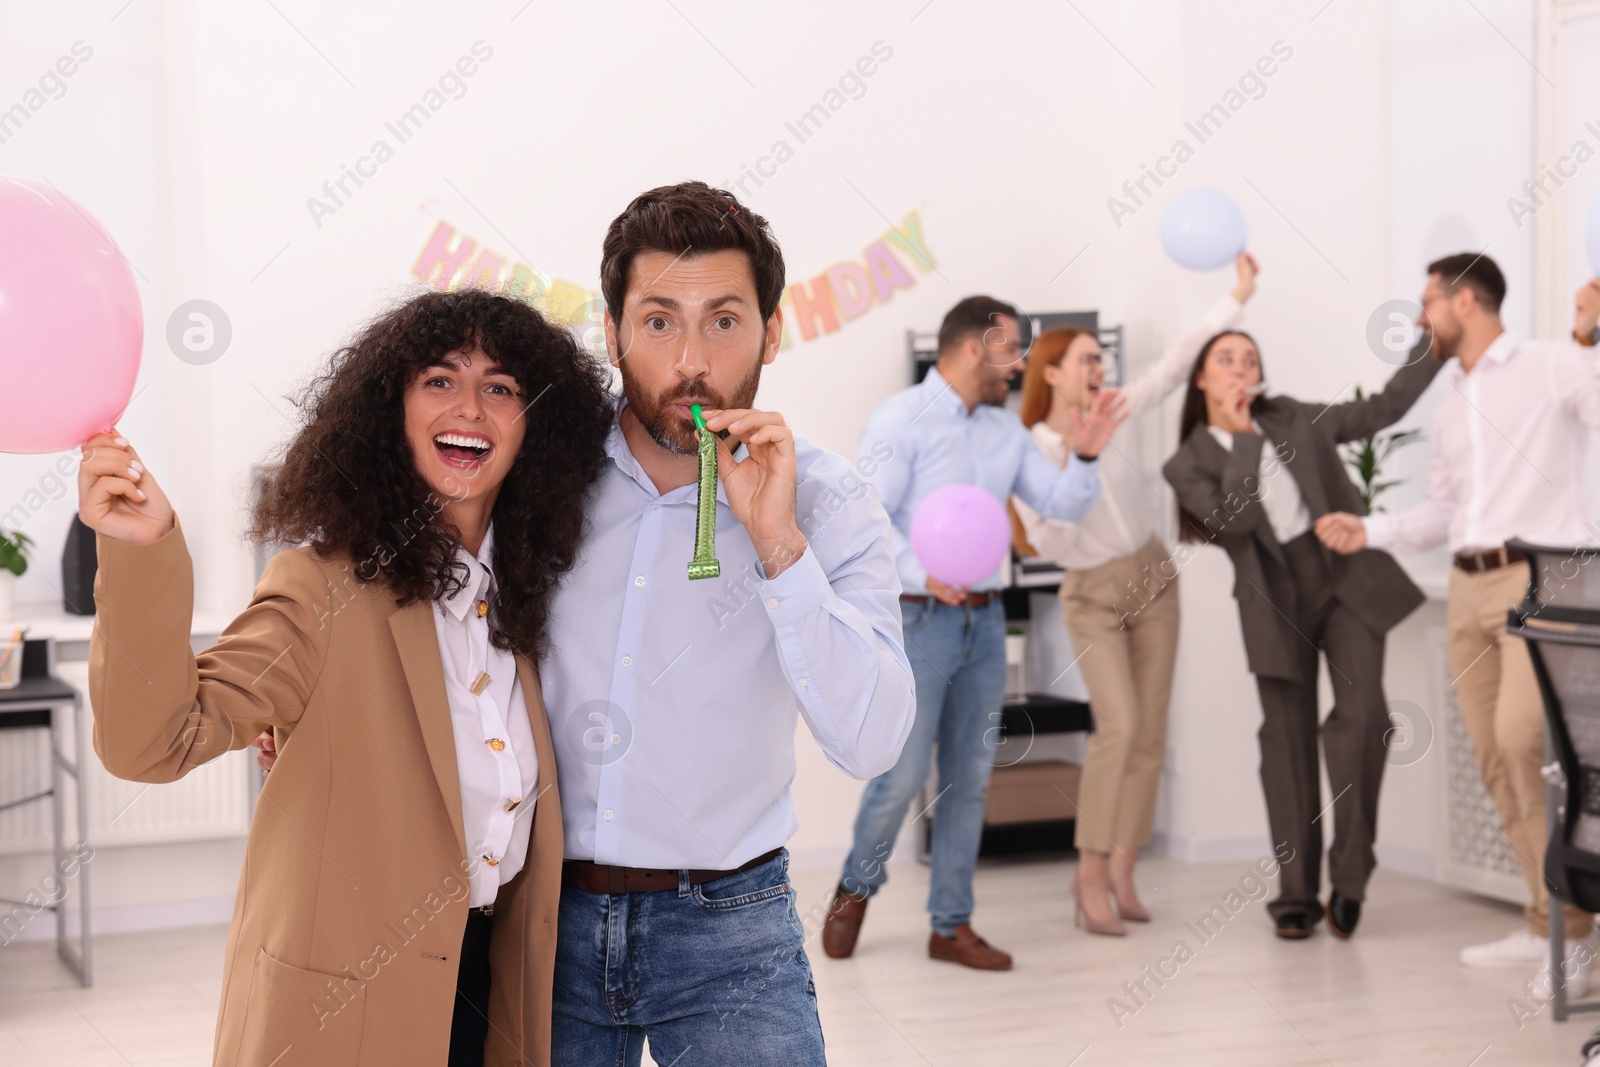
(1120, 599)
(402, 875)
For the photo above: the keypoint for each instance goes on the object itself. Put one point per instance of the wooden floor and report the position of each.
(1392, 995)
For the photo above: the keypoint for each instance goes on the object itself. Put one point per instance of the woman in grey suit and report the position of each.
(1252, 474)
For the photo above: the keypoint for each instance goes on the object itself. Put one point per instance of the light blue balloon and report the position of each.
(1594, 233)
(1203, 229)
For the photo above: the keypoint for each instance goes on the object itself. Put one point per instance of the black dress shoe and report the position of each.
(1294, 926)
(1343, 914)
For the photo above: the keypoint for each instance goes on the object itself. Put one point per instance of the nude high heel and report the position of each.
(1133, 913)
(1107, 927)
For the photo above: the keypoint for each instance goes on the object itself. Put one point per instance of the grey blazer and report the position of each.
(1221, 488)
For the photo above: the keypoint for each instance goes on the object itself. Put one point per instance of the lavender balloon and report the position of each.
(960, 534)
(1203, 229)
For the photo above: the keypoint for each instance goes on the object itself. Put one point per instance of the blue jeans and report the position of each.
(714, 974)
(958, 660)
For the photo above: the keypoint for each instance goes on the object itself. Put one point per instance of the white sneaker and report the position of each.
(1579, 959)
(1521, 949)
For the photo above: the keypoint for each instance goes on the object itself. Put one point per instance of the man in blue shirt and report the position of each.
(953, 428)
(674, 702)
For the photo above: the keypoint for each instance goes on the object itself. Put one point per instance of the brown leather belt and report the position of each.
(975, 600)
(607, 878)
(1475, 562)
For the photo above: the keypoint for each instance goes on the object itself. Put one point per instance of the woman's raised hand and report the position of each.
(117, 496)
(1095, 426)
(1246, 268)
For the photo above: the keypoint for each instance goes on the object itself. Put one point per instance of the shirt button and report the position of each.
(608, 813)
(616, 739)
(656, 506)
(639, 580)
(627, 661)
(804, 683)
(772, 602)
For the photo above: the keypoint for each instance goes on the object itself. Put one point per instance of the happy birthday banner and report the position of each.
(839, 295)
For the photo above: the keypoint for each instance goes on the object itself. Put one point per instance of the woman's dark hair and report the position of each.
(347, 482)
(1190, 527)
(690, 218)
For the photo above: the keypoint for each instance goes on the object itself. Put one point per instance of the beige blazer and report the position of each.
(353, 898)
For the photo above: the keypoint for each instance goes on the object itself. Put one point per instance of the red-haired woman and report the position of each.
(1121, 602)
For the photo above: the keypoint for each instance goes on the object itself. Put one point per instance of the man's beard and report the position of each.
(671, 430)
(1443, 348)
(996, 394)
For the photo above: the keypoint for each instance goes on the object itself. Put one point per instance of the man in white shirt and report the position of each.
(1507, 457)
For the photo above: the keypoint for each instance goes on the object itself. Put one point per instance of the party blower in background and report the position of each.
(71, 327)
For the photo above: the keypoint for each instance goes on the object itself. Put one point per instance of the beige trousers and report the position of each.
(1504, 716)
(1123, 619)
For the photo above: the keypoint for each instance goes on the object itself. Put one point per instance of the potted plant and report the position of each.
(1367, 456)
(14, 548)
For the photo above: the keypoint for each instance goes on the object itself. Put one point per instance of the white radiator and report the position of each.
(1473, 851)
(210, 802)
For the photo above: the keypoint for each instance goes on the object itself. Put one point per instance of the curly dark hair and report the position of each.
(347, 483)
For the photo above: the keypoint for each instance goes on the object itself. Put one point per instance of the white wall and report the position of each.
(198, 133)
(1309, 164)
(1461, 142)
(95, 139)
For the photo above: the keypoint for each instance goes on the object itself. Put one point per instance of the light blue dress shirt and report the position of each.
(673, 702)
(923, 439)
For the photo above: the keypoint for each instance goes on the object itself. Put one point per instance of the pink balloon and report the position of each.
(71, 328)
(960, 534)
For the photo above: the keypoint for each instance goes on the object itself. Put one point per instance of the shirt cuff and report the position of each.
(1380, 530)
(797, 592)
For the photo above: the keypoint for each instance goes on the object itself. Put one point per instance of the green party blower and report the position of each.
(704, 564)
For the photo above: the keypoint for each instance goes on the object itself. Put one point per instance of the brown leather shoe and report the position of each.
(968, 949)
(843, 925)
